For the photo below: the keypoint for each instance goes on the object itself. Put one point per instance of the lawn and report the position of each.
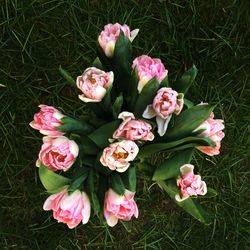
(38, 36)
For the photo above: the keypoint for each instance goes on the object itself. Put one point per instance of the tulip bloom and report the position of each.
(119, 207)
(58, 153)
(190, 184)
(94, 84)
(70, 209)
(148, 68)
(46, 120)
(133, 129)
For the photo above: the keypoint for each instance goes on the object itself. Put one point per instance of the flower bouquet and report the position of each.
(91, 163)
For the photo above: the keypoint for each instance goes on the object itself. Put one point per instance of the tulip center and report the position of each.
(120, 155)
(58, 156)
(92, 80)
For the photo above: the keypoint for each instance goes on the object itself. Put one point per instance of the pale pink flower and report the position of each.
(147, 69)
(47, 120)
(117, 156)
(119, 207)
(110, 34)
(58, 153)
(133, 129)
(166, 102)
(213, 130)
(94, 84)
(70, 209)
(190, 184)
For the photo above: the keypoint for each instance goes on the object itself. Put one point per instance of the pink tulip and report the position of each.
(46, 120)
(58, 153)
(117, 156)
(213, 130)
(165, 103)
(70, 209)
(190, 184)
(132, 129)
(148, 68)
(94, 84)
(110, 34)
(119, 207)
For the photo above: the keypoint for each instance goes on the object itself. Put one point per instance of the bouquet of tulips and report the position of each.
(90, 164)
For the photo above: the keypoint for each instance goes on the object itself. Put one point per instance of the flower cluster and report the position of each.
(90, 163)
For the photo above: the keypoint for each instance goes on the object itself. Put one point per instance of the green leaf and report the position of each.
(117, 106)
(188, 103)
(88, 146)
(170, 168)
(133, 89)
(97, 63)
(146, 96)
(100, 168)
(116, 183)
(52, 182)
(74, 126)
(157, 147)
(101, 135)
(164, 82)
(190, 205)
(188, 121)
(210, 193)
(107, 100)
(65, 74)
(129, 179)
(93, 197)
(182, 85)
(78, 182)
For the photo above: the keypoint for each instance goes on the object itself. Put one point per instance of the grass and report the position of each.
(38, 36)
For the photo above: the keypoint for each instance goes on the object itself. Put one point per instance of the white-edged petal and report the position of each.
(149, 112)
(133, 34)
(73, 147)
(180, 199)
(110, 47)
(186, 169)
(125, 115)
(85, 99)
(162, 124)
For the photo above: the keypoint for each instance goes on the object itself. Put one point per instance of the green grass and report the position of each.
(38, 36)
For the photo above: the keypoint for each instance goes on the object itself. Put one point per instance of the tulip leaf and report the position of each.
(187, 122)
(100, 168)
(74, 126)
(164, 82)
(146, 96)
(170, 168)
(117, 106)
(210, 193)
(117, 183)
(129, 179)
(191, 141)
(65, 74)
(93, 197)
(183, 84)
(88, 147)
(190, 205)
(52, 182)
(78, 182)
(101, 135)
(188, 103)
(97, 64)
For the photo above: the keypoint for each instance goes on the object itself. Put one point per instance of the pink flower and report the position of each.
(117, 156)
(94, 84)
(213, 130)
(190, 184)
(70, 209)
(47, 120)
(132, 129)
(58, 153)
(148, 68)
(121, 207)
(165, 103)
(110, 34)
